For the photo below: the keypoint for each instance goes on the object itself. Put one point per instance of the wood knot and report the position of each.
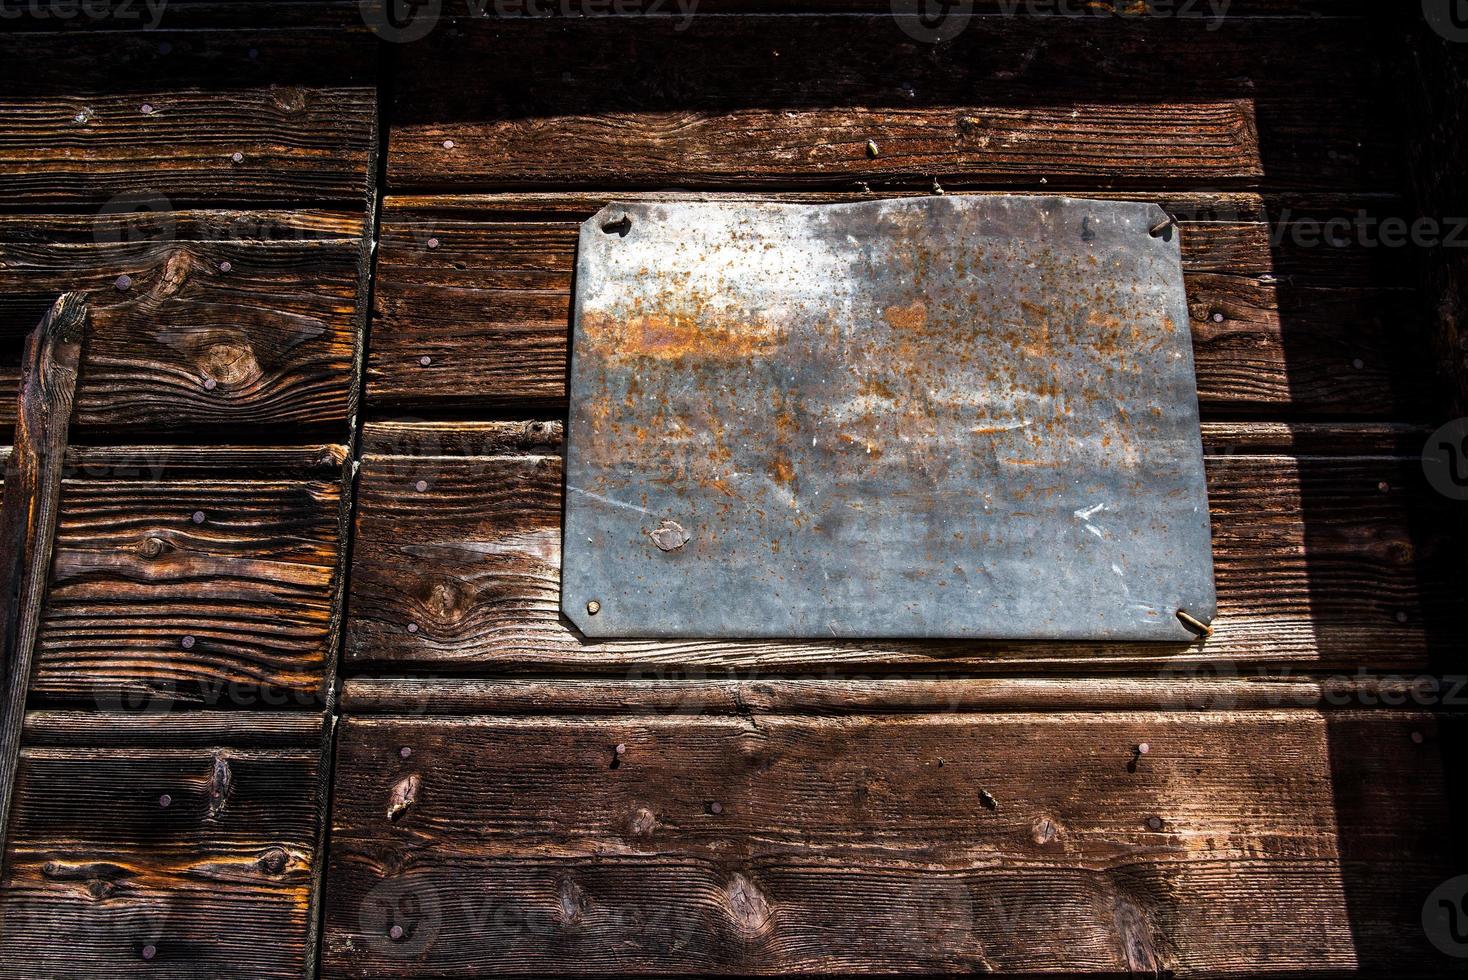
(152, 547)
(571, 902)
(1043, 831)
(234, 365)
(273, 861)
(749, 910)
(642, 822)
(290, 98)
(221, 785)
(402, 796)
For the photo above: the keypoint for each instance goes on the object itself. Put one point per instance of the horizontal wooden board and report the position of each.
(179, 582)
(996, 842)
(482, 289)
(234, 318)
(767, 101)
(90, 116)
(1328, 562)
(102, 879)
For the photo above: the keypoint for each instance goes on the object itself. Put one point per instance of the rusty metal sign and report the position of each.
(934, 417)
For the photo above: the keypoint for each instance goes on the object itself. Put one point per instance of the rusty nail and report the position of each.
(146, 109)
(872, 150)
(404, 752)
(237, 157)
(123, 282)
(448, 144)
(618, 224)
(198, 517)
(150, 951)
(425, 360)
(187, 643)
(937, 187)
(1154, 822)
(396, 932)
(225, 266)
(621, 749)
(593, 607)
(421, 485)
(412, 627)
(433, 243)
(165, 801)
(987, 801)
(1196, 625)
(1161, 227)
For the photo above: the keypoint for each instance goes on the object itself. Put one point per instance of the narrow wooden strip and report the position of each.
(1010, 100)
(1009, 843)
(172, 730)
(401, 437)
(28, 518)
(406, 696)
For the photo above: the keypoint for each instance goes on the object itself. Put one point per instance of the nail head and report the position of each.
(124, 282)
(198, 517)
(165, 801)
(448, 144)
(433, 243)
(210, 384)
(146, 109)
(412, 627)
(1417, 738)
(187, 643)
(1143, 748)
(593, 607)
(621, 749)
(225, 266)
(425, 360)
(237, 157)
(150, 951)
(396, 932)
(404, 752)
(1154, 823)
(421, 485)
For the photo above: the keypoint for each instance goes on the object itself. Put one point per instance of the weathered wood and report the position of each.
(865, 696)
(181, 729)
(298, 106)
(228, 318)
(185, 860)
(1259, 842)
(1063, 102)
(31, 499)
(1281, 323)
(148, 607)
(1336, 562)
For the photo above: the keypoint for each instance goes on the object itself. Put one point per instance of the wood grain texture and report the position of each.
(101, 875)
(1072, 101)
(31, 498)
(228, 317)
(1281, 324)
(1242, 842)
(147, 608)
(298, 106)
(1330, 562)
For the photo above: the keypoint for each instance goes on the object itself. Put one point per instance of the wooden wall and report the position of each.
(208, 184)
(241, 444)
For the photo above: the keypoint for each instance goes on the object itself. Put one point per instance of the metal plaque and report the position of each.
(931, 417)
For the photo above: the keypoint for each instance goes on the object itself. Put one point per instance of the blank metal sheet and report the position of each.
(964, 416)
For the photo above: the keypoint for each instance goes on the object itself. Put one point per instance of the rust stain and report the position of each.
(913, 316)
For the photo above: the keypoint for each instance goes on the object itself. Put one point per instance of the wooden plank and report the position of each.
(866, 696)
(190, 859)
(168, 587)
(228, 318)
(31, 495)
(1335, 562)
(1027, 101)
(1281, 323)
(184, 729)
(1029, 843)
(297, 106)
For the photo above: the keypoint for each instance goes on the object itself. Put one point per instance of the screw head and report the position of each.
(593, 607)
